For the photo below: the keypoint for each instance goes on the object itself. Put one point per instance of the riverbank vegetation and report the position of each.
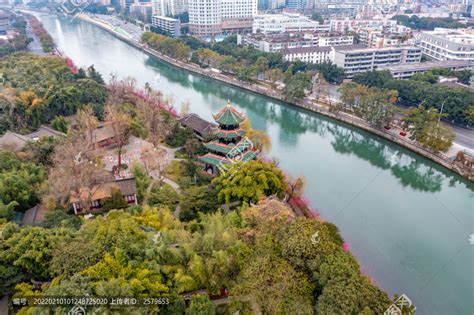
(377, 107)
(37, 89)
(245, 62)
(254, 254)
(45, 39)
(423, 89)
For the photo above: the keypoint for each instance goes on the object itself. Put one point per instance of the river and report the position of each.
(406, 219)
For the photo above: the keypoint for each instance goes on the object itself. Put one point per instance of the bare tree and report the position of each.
(120, 123)
(76, 170)
(87, 122)
(185, 107)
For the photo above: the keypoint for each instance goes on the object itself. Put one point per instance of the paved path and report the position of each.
(35, 45)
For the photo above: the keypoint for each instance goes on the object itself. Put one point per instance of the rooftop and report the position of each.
(197, 123)
(229, 116)
(45, 131)
(356, 48)
(127, 186)
(303, 50)
(165, 18)
(34, 215)
(461, 36)
(426, 65)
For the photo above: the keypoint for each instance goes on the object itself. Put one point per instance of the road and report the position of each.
(35, 45)
(464, 136)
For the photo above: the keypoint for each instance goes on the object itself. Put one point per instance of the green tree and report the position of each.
(419, 120)
(30, 249)
(262, 66)
(273, 286)
(20, 181)
(244, 73)
(59, 218)
(437, 137)
(249, 182)
(115, 201)
(274, 75)
(163, 195)
(60, 124)
(228, 64)
(296, 85)
(196, 200)
(6, 210)
(41, 150)
(317, 17)
(201, 305)
(377, 107)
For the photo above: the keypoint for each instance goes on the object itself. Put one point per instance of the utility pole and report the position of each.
(441, 111)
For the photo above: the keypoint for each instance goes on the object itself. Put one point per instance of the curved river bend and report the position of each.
(406, 219)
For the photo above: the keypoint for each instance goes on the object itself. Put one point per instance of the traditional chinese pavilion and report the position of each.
(230, 144)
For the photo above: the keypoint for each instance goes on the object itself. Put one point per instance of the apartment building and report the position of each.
(205, 17)
(448, 44)
(289, 40)
(167, 24)
(169, 7)
(406, 71)
(355, 59)
(237, 15)
(378, 38)
(297, 5)
(310, 54)
(285, 22)
(214, 17)
(5, 20)
(342, 25)
(142, 11)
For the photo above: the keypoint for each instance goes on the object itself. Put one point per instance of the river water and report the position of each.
(406, 219)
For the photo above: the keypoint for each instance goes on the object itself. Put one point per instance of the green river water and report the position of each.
(406, 219)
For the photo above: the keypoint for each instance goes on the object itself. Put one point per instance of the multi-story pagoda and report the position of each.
(230, 144)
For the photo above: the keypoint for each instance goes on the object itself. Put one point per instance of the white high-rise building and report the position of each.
(234, 9)
(205, 17)
(169, 7)
(214, 17)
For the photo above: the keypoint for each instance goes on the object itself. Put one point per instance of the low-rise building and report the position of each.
(355, 59)
(167, 24)
(5, 20)
(285, 22)
(34, 216)
(13, 141)
(379, 38)
(289, 40)
(201, 127)
(142, 11)
(448, 44)
(310, 54)
(406, 71)
(343, 25)
(99, 193)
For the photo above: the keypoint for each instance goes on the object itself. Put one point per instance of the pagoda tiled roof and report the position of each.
(229, 116)
(229, 134)
(214, 159)
(231, 149)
